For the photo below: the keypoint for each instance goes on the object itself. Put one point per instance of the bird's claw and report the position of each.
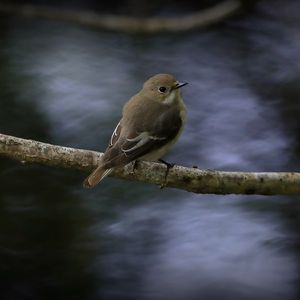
(134, 166)
(169, 166)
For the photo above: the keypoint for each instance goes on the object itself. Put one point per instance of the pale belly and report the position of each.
(159, 153)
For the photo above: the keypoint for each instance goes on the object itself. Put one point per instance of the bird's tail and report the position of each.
(96, 176)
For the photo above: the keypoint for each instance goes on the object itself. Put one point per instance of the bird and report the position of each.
(152, 121)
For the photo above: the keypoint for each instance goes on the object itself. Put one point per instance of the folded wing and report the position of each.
(124, 148)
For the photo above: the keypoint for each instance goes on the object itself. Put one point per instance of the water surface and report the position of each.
(65, 84)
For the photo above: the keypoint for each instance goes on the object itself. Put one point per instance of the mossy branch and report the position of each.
(197, 20)
(189, 179)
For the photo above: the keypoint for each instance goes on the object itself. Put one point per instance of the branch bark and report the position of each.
(201, 19)
(189, 179)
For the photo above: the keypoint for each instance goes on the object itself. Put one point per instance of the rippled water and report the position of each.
(66, 85)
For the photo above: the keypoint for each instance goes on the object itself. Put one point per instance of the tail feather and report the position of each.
(96, 176)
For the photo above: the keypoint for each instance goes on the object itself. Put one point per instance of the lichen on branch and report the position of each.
(189, 179)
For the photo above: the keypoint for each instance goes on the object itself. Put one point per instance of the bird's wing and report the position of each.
(115, 135)
(124, 149)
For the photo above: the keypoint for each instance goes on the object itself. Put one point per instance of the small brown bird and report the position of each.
(151, 123)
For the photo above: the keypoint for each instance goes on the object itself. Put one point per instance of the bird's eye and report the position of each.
(162, 89)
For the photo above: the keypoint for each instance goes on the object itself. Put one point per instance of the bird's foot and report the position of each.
(134, 165)
(169, 166)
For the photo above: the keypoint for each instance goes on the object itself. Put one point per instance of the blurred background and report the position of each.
(65, 84)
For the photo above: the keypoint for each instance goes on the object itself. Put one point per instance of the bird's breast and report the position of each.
(182, 109)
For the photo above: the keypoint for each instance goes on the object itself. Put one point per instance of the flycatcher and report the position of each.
(151, 123)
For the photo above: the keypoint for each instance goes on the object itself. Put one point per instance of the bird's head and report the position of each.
(163, 88)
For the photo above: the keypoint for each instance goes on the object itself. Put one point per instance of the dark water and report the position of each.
(65, 84)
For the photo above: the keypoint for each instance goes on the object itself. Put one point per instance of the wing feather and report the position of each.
(129, 145)
(115, 135)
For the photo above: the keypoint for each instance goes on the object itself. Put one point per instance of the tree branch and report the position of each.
(189, 179)
(201, 19)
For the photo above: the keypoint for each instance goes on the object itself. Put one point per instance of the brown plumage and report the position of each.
(151, 122)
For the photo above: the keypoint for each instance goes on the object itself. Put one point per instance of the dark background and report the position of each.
(65, 84)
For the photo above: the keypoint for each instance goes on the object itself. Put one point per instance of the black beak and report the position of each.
(179, 85)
